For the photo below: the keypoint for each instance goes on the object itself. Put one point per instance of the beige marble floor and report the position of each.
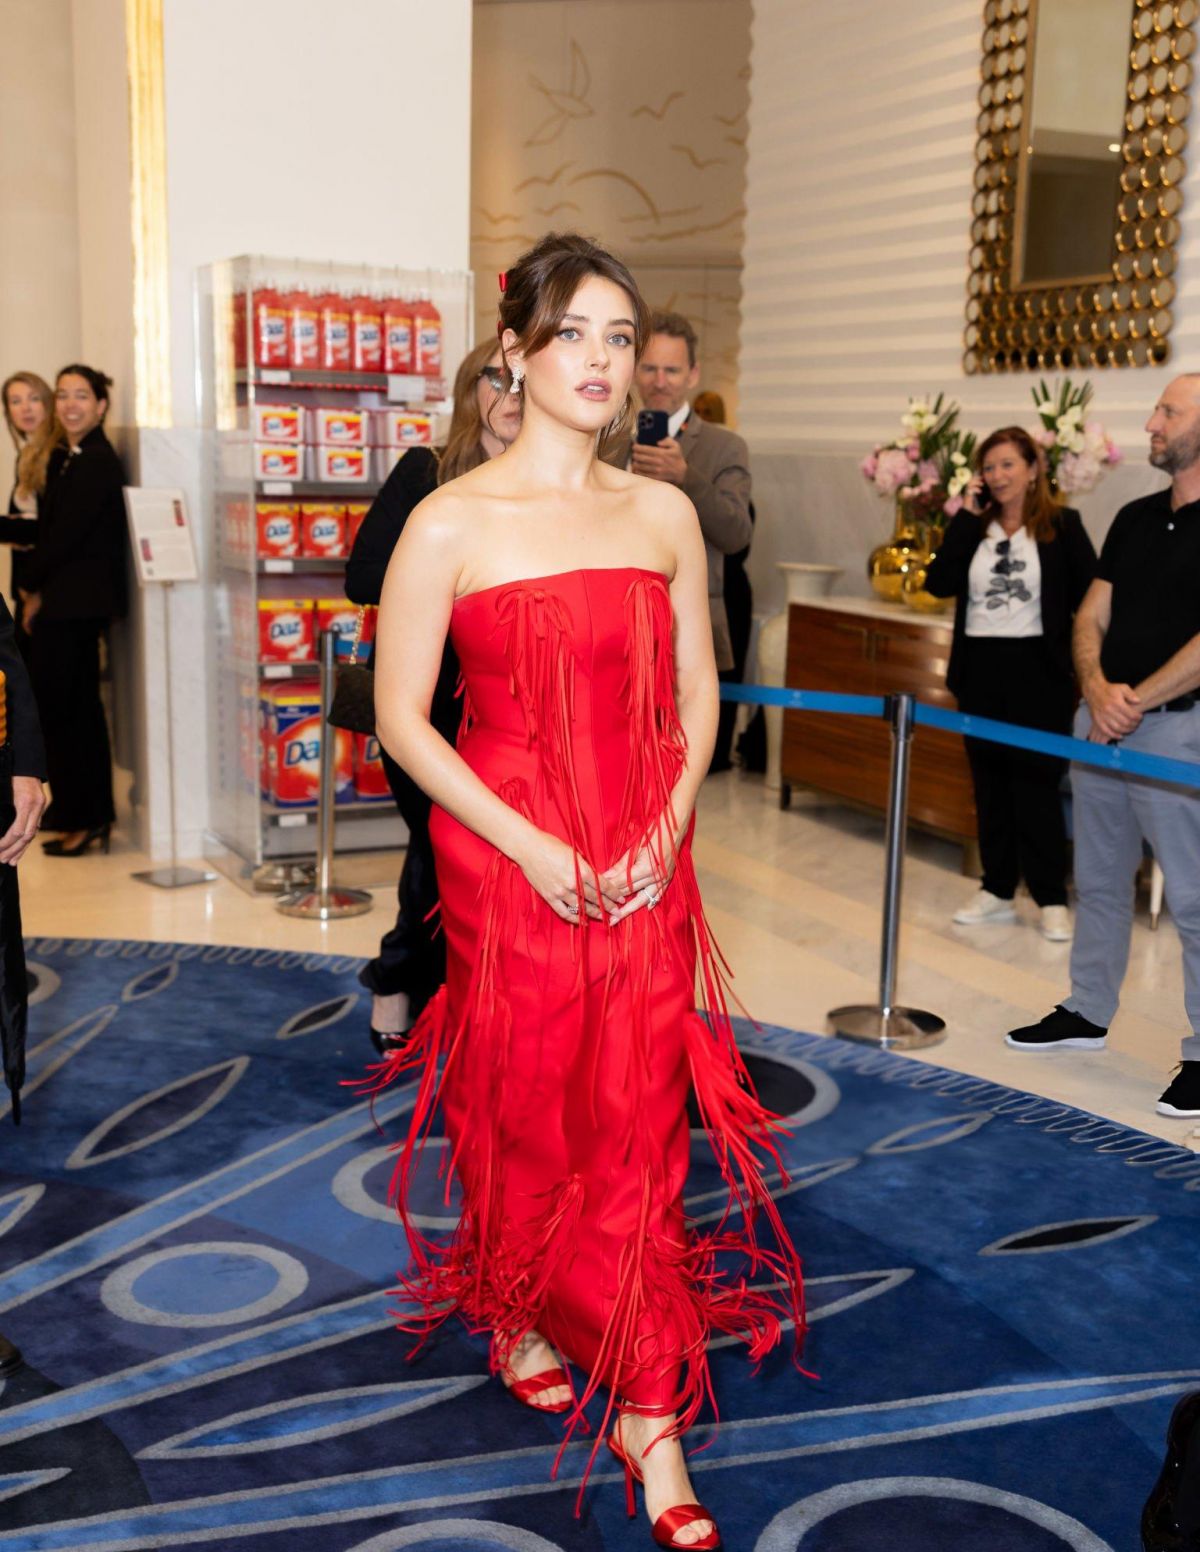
(794, 900)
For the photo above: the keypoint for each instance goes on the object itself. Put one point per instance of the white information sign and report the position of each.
(164, 548)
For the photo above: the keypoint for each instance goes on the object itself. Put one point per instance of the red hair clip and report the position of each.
(503, 279)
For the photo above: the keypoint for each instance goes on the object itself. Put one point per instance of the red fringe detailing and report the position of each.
(499, 1274)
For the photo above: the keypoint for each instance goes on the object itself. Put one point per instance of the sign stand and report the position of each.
(165, 554)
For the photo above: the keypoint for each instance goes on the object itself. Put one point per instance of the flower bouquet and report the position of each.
(1077, 450)
(926, 472)
(917, 468)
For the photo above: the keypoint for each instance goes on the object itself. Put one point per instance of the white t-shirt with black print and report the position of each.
(1004, 585)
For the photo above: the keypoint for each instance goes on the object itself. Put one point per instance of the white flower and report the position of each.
(957, 459)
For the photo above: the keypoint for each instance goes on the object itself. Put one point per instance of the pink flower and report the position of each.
(892, 470)
(1045, 437)
(953, 507)
(869, 464)
(914, 451)
(927, 471)
(1113, 453)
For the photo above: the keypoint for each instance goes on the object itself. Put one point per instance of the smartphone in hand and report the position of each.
(652, 427)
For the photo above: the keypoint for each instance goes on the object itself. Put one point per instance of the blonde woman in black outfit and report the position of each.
(34, 428)
(1018, 562)
(76, 580)
(411, 964)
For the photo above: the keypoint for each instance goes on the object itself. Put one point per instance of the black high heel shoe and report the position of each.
(1171, 1518)
(60, 849)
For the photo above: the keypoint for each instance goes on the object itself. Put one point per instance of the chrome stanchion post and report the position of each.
(884, 1024)
(326, 902)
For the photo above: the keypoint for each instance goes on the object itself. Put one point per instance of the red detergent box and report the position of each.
(370, 783)
(278, 524)
(356, 512)
(285, 630)
(278, 461)
(341, 427)
(403, 428)
(340, 616)
(323, 529)
(282, 424)
(292, 733)
(343, 465)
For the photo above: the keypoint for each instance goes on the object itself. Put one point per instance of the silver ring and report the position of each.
(574, 909)
(652, 899)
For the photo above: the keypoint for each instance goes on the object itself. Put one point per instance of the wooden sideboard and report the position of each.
(861, 647)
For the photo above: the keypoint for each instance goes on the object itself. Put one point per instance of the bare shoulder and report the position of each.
(439, 527)
(663, 506)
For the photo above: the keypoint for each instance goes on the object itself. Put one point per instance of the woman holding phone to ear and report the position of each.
(1018, 563)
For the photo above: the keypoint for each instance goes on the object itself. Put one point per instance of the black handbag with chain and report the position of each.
(353, 705)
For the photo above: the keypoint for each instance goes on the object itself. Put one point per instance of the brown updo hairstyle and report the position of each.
(1042, 505)
(538, 290)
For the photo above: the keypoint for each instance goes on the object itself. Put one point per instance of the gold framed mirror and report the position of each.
(1079, 165)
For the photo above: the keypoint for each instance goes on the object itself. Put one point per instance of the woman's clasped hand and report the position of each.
(636, 882)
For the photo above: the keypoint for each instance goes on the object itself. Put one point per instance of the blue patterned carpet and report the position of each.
(194, 1245)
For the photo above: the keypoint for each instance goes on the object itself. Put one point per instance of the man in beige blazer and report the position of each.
(709, 463)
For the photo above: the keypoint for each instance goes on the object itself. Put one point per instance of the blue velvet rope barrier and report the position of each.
(805, 700)
(1112, 757)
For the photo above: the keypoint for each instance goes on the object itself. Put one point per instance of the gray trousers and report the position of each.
(1113, 814)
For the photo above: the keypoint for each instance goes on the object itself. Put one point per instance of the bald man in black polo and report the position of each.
(1137, 656)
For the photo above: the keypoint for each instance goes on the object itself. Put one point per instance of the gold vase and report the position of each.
(887, 563)
(912, 583)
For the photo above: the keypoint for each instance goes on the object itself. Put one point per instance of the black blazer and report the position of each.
(19, 530)
(1068, 566)
(78, 563)
(413, 478)
(24, 729)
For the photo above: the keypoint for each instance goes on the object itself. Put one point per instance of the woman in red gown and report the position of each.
(561, 1049)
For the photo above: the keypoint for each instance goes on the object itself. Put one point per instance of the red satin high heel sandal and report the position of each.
(525, 1390)
(671, 1521)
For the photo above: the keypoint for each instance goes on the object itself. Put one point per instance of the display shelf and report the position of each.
(236, 374)
(315, 490)
(299, 565)
(396, 387)
(293, 818)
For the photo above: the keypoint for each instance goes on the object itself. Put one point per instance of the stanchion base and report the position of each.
(275, 878)
(903, 1029)
(175, 877)
(314, 906)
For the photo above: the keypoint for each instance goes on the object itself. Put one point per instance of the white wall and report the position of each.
(861, 155)
(624, 119)
(105, 233)
(39, 267)
(300, 129)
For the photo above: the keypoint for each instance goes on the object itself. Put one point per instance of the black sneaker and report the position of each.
(1058, 1030)
(1182, 1098)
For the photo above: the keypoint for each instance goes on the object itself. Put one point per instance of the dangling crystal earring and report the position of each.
(517, 378)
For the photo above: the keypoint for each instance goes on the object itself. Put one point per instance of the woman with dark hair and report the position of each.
(34, 428)
(561, 1049)
(1018, 563)
(75, 580)
(411, 963)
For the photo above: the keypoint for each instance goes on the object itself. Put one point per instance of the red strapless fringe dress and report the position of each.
(560, 1056)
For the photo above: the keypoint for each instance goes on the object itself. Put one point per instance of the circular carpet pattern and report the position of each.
(196, 1248)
